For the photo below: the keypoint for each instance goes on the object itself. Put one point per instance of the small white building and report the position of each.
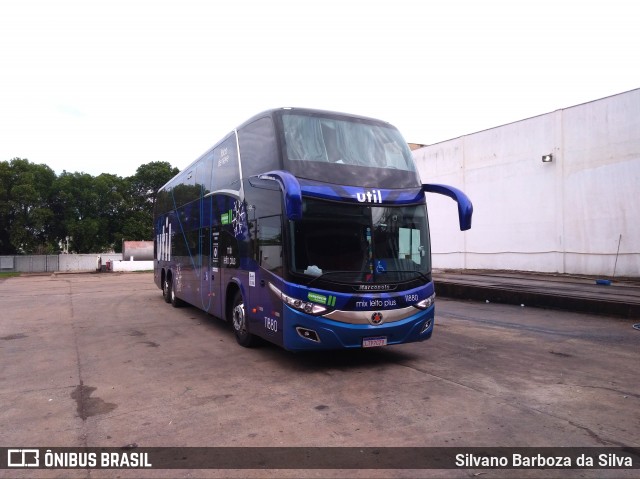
(557, 193)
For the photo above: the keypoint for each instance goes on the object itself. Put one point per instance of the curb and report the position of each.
(504, 295)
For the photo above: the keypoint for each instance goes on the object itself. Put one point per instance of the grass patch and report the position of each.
(9, 274)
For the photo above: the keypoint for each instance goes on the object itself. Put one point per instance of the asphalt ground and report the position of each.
(100, 360)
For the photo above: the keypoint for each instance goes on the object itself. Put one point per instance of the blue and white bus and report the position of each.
(304, 228)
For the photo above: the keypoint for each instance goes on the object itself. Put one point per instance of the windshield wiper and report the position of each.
(420, 274)
(405, 271)
(333, 272)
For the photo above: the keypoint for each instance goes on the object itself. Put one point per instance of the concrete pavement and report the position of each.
(554, 291)
(100, 360)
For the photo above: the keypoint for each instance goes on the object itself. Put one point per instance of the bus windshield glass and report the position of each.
(360, 243)
(313, 142)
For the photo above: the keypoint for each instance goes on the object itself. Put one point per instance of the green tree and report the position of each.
(112, 193)
(144, 186)
(39, 210)
(5, 209)
(25, 208)
(76, 211)
(149, 178)
(90, 210)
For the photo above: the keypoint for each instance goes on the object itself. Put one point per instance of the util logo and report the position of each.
(373, 196)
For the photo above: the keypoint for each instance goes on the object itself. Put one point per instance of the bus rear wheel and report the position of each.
(175, 301)
(239, 322)
(166, 288)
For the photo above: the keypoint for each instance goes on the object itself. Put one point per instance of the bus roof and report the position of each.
(270, 113)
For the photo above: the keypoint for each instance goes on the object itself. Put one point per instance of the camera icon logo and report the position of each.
(23, 457)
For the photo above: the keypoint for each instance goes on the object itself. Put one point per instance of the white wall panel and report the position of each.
(567, 216)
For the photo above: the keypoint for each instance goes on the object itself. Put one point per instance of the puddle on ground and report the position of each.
(88, 406)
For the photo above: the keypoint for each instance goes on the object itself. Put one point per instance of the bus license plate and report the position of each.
(374, 342)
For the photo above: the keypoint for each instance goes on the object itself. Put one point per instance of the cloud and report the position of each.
(107, 86)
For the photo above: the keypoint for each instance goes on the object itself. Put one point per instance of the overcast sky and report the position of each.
(105, 86)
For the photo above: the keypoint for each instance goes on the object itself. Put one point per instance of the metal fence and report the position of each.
(52, 263)
(29, 264)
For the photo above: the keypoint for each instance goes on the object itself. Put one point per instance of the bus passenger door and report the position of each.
(215, 274)
(203, 265)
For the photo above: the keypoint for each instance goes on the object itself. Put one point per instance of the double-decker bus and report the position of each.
(305, 228)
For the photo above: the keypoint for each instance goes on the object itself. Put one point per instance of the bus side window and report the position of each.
(270, 243)
(203, 173)
(258, 148)
(264, 213)
(225, 172)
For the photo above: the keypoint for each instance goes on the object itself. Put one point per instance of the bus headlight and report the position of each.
(426, 303)
(307, 307)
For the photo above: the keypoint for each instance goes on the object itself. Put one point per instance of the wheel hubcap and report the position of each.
(238, 318)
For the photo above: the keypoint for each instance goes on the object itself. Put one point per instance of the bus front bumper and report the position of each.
(303, 332)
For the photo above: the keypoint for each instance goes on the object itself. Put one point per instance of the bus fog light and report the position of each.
(309, 334)
(427, 325)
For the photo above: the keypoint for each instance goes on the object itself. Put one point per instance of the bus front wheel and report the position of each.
(239, 322)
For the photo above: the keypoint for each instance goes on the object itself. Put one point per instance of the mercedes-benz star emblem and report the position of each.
(376, 318)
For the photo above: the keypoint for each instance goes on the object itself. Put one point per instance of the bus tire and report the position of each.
(239, 322)
(175, 301)
(166, 288)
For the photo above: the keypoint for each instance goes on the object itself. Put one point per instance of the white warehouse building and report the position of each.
(556, 193)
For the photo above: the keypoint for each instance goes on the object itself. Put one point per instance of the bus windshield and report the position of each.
(360, 243)
(346, 150)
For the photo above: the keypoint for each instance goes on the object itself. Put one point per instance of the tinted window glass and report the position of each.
(226, 174)
(258, 147)
(203, 172)
(332, 140)
(358, 243)
(270, 243)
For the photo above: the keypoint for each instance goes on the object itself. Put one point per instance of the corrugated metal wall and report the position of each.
(29, 264)
(51, 263)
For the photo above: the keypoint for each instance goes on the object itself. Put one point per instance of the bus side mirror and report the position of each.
(465, 207)
(292, 192)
